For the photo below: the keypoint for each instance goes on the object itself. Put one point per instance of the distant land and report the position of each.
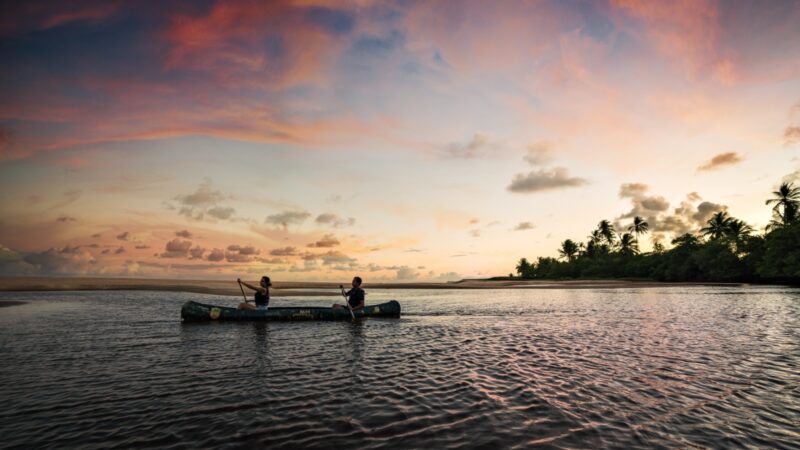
(302, 288)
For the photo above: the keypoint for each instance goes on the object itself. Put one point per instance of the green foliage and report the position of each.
(781, 253)
(730, 251)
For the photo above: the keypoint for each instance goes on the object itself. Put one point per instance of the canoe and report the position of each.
(199, 312)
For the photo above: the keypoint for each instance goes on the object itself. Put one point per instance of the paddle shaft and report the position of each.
(240, 287)
(347, 303)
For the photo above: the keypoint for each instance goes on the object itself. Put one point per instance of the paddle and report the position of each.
(347, 303)
(239, 280)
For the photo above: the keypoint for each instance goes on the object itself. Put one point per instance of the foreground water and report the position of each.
(659, 367)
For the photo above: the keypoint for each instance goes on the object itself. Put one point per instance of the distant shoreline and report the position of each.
(304, 288)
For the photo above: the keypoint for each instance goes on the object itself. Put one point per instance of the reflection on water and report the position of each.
(677, 367)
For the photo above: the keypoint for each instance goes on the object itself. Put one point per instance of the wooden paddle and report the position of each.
(239, 280)
(347, 303)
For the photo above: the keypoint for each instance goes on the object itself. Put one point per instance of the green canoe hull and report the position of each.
(199, 312)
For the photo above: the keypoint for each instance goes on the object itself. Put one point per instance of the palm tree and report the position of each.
(607, 231)
(787, 204)
(628, 245)
(686, 240)
(639, 227)
(738, 230)
(736, 233)
(523, 267)
(717, 225)
(658, 247)
(568, 249)
(595, 237)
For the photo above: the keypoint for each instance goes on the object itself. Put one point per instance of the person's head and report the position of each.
(265, 281)
(356, 281)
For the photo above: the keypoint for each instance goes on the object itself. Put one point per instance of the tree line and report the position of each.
(725, 249)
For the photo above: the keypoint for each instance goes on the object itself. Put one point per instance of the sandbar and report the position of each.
(303, 288)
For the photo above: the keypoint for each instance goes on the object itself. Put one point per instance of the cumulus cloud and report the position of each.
(142, 247)
(176, 248)
(332, 257)
(705, 210)
(540, 153)
(215, 255)
(204, 201)
(544, 180)
(272, 260)
(196, 252)
(721, 160)
(284, 251)
(66, 219)
(237, 257)
(123, 236)
(688, 217)
(406, 273)
(791, 136)
(334, 220)
(524, 226)
(475, 233)
(287, 218)
(221, 212)
(445, 276)
(793, 177)
(327, 241)
(119, 251)
(308, 266)
(642, 204)
(66, 260)
(241, 254)
(632, 190)
(654, 203)
(244, 250)
(479, 146)
(12, 263)
(204, 196)
(184, 234)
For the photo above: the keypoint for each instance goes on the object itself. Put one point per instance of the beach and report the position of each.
(302, 288)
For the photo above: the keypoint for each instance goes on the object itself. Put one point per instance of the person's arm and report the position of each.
(255, 288)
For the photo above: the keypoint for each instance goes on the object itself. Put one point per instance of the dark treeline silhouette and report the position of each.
(726, 249)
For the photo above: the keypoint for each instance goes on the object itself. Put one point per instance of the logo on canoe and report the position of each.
(303, 314)
(376, 310)
(214, 314)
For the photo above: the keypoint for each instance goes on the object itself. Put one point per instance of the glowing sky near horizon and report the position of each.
(394, 140)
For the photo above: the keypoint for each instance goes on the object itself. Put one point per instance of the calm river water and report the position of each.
(659, 367)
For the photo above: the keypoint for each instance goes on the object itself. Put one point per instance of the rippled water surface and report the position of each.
(660, 367)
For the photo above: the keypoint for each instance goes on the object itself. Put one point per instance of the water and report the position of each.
(661, 367)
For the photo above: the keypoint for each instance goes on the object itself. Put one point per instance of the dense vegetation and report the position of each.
(726, 249)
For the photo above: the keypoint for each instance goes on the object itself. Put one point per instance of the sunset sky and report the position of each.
(400, 140)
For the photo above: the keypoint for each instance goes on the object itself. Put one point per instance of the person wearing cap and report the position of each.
(261, 295)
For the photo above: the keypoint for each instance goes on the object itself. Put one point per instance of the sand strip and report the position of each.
(305, 289)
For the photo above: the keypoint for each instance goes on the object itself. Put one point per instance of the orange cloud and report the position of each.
(224, 41)
(721, 160)
(687, 31)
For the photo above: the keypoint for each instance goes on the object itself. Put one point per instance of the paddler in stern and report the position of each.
(355, 296)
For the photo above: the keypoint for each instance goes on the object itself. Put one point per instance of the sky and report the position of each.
(395, 140)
